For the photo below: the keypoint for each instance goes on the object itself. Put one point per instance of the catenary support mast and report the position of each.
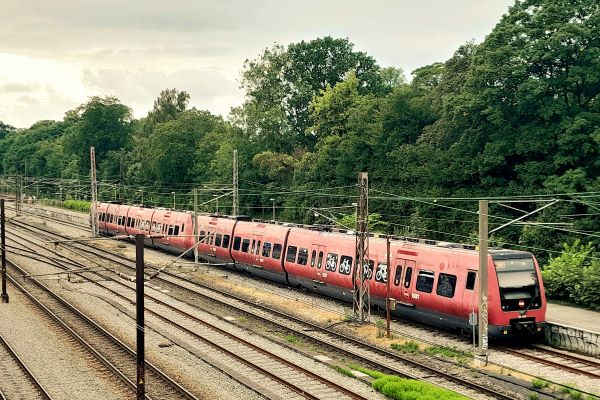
(236, 199)
(361, 306)
(94, 205)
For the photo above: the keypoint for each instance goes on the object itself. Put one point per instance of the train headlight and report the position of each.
(521, 303)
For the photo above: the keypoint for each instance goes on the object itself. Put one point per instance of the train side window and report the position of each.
(176, 230)
(253, 246)
(368, 269)
(245, 245)
(277, 251)
(266, 250)
(211, 238)
(291, 254)
(201, 236)
(219, 240)
(381, 273)
(237, 241)
(331, 264)
(398, 274)
(182, 227)
(425, 281)
(408, 277)
(320, 261)
(257, 252)
(471, 280)
(446, 285)
(170, 230)
(345, 264)
(129, 222)
(313, 257)
(303, 256)
(225, 244)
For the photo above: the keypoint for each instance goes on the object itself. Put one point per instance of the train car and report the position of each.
(432, 282)
(258, 248)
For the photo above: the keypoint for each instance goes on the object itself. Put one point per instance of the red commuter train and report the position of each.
(433, 282)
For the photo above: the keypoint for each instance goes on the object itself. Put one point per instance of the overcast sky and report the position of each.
(54, 54)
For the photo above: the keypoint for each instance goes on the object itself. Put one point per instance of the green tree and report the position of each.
(102, 122)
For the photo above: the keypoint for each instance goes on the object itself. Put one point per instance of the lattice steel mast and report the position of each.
(361, 306)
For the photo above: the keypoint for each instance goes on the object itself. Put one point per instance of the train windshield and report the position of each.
(519, 289)
(514, 273)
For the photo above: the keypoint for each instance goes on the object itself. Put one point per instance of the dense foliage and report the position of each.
(516, 115)
(574, 275)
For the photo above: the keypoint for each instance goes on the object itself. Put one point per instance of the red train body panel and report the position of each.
(432, 282)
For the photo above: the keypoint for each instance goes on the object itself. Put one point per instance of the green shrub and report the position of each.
(447, 352)
(77, 205)
(539, 383)
(408, 389)
(574, 275)
(408, 347)
(293, 339)
(533, 396)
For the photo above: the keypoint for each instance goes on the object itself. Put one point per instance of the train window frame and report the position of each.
(331, 262)
(320, 259)
(237, 243)
(302, 256)
(266, 250)
(451, 277)
(343, 259)
(471, 285)
(290, 254)
(379, 267)
(398, 272)
(277, 248)
(423, 283)
(369, 268)
(246, 245)
(257, 249)
(408, 276)
(313, 257)
(226, 239)
(218, 239)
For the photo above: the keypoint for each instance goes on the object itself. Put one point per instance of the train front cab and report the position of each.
(517, 307)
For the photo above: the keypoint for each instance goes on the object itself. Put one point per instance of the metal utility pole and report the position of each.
(3, 251)
(195, 225)
(387, 296)
(139, 314)
(483, 277)
(94, 205)
(361, 306)
(273, 200)
(173, 193)
(19, 188)
(236, 198)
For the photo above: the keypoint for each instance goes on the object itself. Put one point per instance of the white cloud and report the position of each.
(57, 53)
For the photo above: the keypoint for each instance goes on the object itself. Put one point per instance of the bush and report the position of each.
(539, 383)
(408, 347)
(408, 389)
(77, 205)
(574, 275)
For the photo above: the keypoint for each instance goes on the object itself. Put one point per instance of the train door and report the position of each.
(255, 249)
(469, 299)
(406, 281)
(317, 263)
(211, 233)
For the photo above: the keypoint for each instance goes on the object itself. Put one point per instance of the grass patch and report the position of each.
(370, 372)
(77, 205)
(293, 339)
(447, 352)
(398, 388)
(343, 371)
(407, 347)
(540, 383)
(242, 318)
(533, 396)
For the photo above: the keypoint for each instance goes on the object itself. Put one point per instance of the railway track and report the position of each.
(285, 379)
(108, 349)
(385, 360)
(558, 359)
(16, 380)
